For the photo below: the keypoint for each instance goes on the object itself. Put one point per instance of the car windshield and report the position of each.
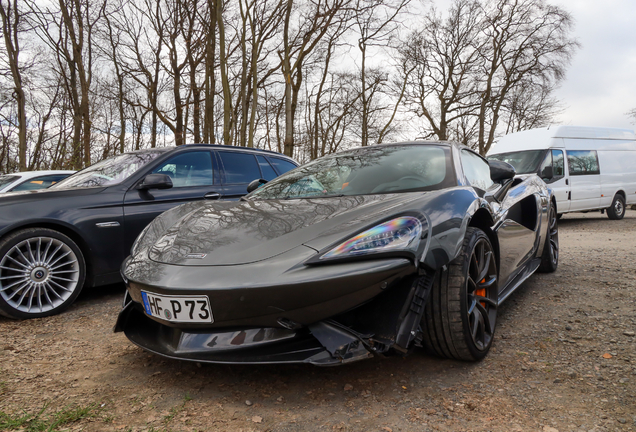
(6, 179)
(369, 170)
(108, 172)
(525, 162)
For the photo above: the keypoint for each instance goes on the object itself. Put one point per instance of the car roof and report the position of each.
(213, 146)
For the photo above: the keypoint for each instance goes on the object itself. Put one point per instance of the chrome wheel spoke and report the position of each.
(63, 265)
(57, 260)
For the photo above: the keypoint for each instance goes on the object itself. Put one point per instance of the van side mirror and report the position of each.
(155, 181)
(255, 184)
(547, 173)
(501, 171)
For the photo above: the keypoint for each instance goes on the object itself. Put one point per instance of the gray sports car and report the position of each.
(370, 251)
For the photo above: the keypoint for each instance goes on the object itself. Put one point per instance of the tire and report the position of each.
(617, 210)
(559, 216)
(42, 272)
(460, 316)
(550, 255)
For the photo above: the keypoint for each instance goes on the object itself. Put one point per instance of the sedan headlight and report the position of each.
(402, 233)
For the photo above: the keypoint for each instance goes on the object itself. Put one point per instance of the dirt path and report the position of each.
(564, 359)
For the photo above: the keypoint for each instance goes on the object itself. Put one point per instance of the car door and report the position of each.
(238, 170)
(585, 179)
(194, 176)
(517, 232)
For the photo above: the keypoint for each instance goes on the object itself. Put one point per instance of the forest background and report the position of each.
(82, 80)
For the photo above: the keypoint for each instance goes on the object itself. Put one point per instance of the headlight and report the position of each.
(402, 233)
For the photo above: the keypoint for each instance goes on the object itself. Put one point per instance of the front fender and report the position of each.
(449, 221)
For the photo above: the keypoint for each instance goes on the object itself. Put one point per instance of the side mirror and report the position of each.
(155, 181)
(547, 173)
(501, 171)
(255, 184)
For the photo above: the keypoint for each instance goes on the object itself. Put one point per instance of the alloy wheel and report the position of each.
(554, 237)
(38, 274)
(481, 287)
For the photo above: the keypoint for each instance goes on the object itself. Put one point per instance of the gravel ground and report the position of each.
(564, 359)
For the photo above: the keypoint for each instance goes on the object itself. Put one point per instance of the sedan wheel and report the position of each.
(41, 273)
(461, 313)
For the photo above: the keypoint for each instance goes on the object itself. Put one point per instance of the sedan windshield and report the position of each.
(369, 170)
(525, 162)
(6, 179)
(108, 172)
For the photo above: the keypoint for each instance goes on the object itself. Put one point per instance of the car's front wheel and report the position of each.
(617, 210)
(41, 273)
(461, 313)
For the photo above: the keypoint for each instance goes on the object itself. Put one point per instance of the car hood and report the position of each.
(232, 233)
(40, 194)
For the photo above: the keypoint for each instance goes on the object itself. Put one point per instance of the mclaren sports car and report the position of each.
(372, 251)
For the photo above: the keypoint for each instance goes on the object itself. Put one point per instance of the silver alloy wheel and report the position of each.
(38, 274)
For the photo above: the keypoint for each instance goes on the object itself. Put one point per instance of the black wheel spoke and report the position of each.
(479, 299)
(488, 325)
(486, 267)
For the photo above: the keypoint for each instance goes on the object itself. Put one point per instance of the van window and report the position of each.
(557, 163)
(583, 162)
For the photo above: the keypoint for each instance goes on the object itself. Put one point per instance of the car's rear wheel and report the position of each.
(550, 255)
(460, 317)
(41, 273)
(617, 210)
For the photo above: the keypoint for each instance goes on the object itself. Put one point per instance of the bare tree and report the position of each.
(375, 24)
(443, 57)
(315, 19)
(526, 38)
(11, 16)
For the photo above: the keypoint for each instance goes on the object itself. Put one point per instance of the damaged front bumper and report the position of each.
(322, 344)
(389, 321)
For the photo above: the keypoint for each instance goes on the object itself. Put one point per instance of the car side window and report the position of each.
(583, 162)
(266, 169)
(557, 164)
(239, 167)
(188, 169)
(39, 182)
(282, 165)
(476, 170)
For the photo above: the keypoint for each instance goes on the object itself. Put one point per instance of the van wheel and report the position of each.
(617, 210)
(41, 273)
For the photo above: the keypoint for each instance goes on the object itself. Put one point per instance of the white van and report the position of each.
(588, 168)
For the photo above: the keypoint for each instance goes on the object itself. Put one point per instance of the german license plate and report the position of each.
(183, 309)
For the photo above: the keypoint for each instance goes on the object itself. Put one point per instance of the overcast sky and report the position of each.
(600, 85)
